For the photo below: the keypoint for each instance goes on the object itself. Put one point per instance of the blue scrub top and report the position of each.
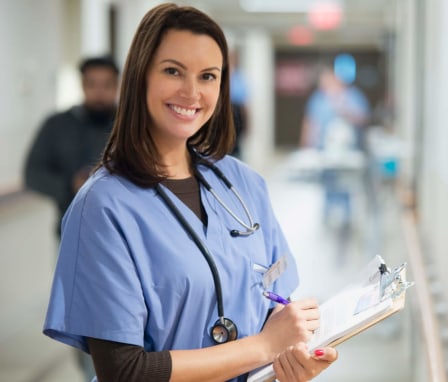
(322, 109)
(128, 272)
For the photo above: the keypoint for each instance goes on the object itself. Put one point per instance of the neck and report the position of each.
(179, 173)
(177, 163)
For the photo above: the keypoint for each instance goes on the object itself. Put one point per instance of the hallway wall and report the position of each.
(433, 191)
(30, 42)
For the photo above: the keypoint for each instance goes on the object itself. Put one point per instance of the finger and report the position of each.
(310, 314)
(305, 314)
(307, 303)
(286, 363)
(325, 354)
(312, 325)
(277, 308)
(287, 367)
(280, 373)
(302, 364)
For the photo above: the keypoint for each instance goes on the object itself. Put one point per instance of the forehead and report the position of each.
(185, 45)
(99, 72)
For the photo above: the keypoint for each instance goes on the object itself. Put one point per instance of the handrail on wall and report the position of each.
(10, 196)
(428, 318)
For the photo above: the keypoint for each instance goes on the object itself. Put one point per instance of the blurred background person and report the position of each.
(335, 118)
(70, 142)
(334, 105)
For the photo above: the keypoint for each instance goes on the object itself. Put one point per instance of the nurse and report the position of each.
(168, 248)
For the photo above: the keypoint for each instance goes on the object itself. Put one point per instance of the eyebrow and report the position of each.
(172, 61)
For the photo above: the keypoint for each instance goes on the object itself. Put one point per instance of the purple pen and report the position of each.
(275, 297)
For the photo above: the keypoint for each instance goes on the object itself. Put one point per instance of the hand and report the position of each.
(296, 364)
(290, 324)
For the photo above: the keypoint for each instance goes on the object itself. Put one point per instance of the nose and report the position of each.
(190, 88)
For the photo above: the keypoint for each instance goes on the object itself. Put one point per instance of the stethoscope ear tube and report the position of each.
(251, 227)
(248, 232)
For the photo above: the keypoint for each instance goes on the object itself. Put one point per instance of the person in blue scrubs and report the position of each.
(332, 103)
(335, 121)
(163, 263)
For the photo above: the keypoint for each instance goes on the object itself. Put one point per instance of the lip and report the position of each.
(188, 111)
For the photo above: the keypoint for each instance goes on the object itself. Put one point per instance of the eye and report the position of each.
(208, 77)
(171, 71)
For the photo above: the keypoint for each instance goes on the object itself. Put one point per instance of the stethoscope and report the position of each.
(224, 329)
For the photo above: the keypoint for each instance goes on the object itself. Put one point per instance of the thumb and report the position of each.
(325, 354)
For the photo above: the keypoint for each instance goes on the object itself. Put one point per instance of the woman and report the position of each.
(156, 246)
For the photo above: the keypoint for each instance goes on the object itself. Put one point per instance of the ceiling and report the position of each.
(364, 22)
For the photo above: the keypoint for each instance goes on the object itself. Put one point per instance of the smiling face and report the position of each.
(183, 85)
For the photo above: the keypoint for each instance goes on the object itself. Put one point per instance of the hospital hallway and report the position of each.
(28, 255)
(387, 197)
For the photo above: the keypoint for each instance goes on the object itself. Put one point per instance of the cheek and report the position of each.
(217, 104)
(153, 94)
(213, 97)
(159, 91)
(111, 94)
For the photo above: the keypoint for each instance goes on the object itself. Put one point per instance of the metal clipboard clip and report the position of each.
(391, 281)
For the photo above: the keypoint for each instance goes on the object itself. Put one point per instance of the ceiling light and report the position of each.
(300, 35)
(325, 15)
(281, 6)
(275, 6)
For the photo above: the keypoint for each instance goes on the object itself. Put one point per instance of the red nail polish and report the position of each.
(318, 352)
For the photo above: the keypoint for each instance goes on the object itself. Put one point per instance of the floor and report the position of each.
(325, 261)
(328, 258)
(27, 257)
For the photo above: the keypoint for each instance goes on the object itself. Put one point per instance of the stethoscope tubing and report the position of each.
(202, 247)
(224, 329)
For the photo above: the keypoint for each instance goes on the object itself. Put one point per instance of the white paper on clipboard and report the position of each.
(357, 307)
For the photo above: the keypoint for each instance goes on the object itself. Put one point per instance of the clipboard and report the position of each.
(378, 293)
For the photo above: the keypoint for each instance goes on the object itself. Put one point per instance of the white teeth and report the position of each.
(182, 111)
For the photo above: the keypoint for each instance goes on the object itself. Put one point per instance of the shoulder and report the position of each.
(233, 164)
(240, 172)
(356, 92)
(316, 98)
(103, 198)
(104, 188)
(60, 119)
(65, 114)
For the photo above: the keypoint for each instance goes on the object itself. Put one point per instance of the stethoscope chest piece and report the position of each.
(224, 330)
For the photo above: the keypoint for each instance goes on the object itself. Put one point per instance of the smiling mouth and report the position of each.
(183, 111)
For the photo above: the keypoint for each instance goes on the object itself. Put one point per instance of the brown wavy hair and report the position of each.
(130, 150)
